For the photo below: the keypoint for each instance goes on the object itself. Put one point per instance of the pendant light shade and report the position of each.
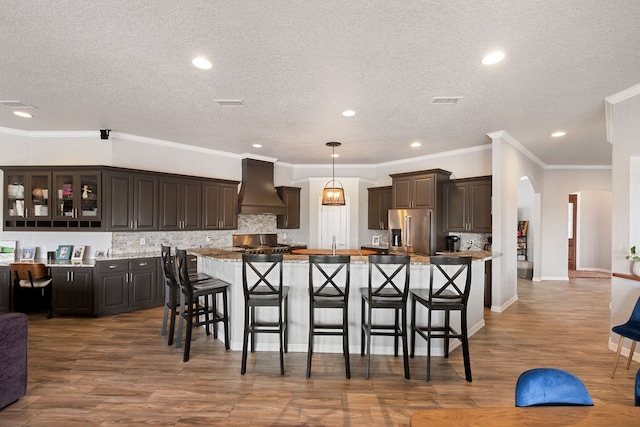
(333, 193)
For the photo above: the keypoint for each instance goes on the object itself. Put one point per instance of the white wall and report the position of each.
(594, 231)
(510, 162)
(624, 133)
(558, 184)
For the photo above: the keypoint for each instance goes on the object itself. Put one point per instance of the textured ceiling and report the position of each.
(126, 65)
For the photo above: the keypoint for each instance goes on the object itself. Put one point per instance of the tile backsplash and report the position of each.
(130, 242)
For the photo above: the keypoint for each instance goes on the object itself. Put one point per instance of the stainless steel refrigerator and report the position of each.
(411, 231)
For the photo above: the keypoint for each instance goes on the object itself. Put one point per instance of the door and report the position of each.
(333, 221)
(573, 215)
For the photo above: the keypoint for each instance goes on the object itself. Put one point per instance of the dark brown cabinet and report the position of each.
(73, 291)
(76, 196)
(115, 199)
(132, 200)
(27, 201)
(291, 198)
(180, 204)
(220, 205)
(127, 285)
(379, 205)
(417, 189)
(55, 198)
(467, 205)
(5, 289)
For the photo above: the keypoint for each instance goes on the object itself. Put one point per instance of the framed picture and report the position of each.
(28, 254)
(64, 252)
(375, 240)
(78, 253)
(100, 253)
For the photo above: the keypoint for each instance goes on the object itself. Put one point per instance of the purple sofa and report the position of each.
(13, 357)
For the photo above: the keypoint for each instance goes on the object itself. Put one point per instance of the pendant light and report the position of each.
(333, 193)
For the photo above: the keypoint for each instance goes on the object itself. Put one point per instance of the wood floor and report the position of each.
(119, 371)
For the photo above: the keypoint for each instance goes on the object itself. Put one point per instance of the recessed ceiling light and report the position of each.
(202, 63)
(22, 114)
(257, 145)
(335, 155)
(348, 113)
(493, 58)
(558, 134)
(415, 144)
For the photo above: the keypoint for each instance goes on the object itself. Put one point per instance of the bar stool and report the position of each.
(173, 298)
(192, 311)
(452, 295)
(388, 290)
(333, 292)
(262, 287)
(171, 293)
(31, 278)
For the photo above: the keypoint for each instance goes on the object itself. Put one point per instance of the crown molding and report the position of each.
(505, 136)
(612, 100)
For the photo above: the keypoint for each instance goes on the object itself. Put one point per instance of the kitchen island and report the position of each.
(227, 265)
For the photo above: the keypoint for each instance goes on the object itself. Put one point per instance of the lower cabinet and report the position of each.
(5, 289)
(73, 290)
(128, 285)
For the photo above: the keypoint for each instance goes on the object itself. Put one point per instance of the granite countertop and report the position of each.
(89, 262)
(227, 254)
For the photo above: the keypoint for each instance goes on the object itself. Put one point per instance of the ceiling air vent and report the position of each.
(445, 100)
(229, 102)
(16, 104)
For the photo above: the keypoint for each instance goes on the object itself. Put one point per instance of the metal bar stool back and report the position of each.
(329, 281)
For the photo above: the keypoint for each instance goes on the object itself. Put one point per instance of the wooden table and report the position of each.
(532, 416)
(352, 252)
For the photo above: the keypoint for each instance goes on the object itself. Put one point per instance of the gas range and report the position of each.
(259, 244)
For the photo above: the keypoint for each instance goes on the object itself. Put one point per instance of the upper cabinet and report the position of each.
(60, 198)
(132, 200)
(467, 205)
(417, 189)
(180, 204)
(77, 195)
(379, 205)
(291, 198)
(220, 205)
(27, 196)
(103, 198)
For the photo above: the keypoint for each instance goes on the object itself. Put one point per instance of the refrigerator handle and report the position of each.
(407, 227)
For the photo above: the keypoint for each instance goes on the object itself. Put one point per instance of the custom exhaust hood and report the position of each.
(257, 192)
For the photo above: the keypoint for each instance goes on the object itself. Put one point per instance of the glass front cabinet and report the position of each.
(52, 199)
(77, 196)
(27, 197)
